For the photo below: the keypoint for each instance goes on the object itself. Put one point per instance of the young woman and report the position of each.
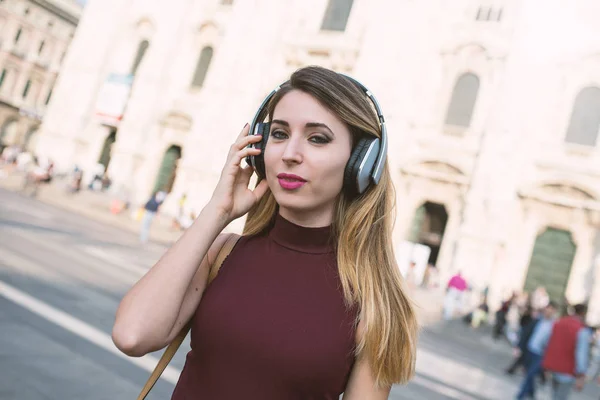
(310, 303)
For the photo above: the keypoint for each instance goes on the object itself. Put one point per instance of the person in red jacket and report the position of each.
(567, 352)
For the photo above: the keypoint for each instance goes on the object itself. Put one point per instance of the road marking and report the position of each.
(97, 271)
(119, 261)
(39, 214)
(10, 259)
(472, 379)
(81, 329)
(441, 389)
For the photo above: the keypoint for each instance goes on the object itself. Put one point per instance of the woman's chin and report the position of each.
(291, 203)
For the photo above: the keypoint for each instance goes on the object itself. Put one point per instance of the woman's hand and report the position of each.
(231, 197)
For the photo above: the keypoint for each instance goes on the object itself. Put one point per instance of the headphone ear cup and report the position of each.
(259, 160)
(353, 165)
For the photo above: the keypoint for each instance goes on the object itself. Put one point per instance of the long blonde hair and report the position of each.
(363, 225)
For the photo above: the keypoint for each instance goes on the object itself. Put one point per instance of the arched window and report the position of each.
(26, 88)
(8, 81)
(168, 169)
(142, 47)
(202, 66)
(49, 96)
(462, 103)
(336, 15)
(18, 35)
(489, 13)
(585, 118)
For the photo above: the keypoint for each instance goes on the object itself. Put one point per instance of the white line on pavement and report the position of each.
(39, 214)
(25, 266)
(95, 270)
(116, 260)
(472, 379)
(441, 389)
(81, 329)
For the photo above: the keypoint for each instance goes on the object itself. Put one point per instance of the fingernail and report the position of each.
(246, 125)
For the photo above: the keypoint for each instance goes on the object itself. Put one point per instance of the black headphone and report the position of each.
(366, 161)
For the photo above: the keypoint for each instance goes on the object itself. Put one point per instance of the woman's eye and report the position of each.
(319, 139)
(278, 134)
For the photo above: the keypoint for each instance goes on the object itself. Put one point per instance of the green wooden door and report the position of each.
(107, 149)
(168, 169)
(417, 224)
(550, 263)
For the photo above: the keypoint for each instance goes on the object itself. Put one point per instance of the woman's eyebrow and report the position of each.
(280, 122)
(308, 125)
(319, 125)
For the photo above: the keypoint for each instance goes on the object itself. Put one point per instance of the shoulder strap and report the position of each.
(222, 255)
(174, 345)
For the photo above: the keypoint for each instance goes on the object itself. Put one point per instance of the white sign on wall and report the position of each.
(113, 98)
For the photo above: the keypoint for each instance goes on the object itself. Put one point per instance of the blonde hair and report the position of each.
(367, 266)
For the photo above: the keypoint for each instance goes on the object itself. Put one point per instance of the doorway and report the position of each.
(105, 154)
(550, 264)
(428, 227)
(168, 169)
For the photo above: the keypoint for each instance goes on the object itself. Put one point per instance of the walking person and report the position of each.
(181, 213)
(310, 303)
(534, 350)
(594, 369)
(150, 210)
(454, 295)
(528, 321)
(539, 299)
(567, 354)
(501, 314)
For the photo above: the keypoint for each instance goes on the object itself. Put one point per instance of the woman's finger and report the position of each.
(244, 177)
(244, 131)
(260, 189)
(245, 141)
(243, 153)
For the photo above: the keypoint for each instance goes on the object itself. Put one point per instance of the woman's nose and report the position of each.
(292, 152)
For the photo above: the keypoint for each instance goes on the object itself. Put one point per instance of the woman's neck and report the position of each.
(308, 219)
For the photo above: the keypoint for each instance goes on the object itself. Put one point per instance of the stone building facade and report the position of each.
(493, 115)
(34, 37)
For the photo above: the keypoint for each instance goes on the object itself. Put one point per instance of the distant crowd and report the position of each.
(550, 342)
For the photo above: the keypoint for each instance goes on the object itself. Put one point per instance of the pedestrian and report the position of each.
(567, 353)
(501, 314)
(528, 323)
(431, 277)
(539, 298)
(534, 350)
(310, 302)
(480, 314)
(150, 210)
(594, 369)
(513, 323)
(454, 295)
(42, 172)
(76, 179)
(181, 214)
(97, 174)
(411, 277)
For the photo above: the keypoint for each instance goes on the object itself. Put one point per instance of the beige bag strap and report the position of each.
(174, 345)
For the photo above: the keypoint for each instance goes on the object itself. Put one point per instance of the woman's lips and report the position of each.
(290, 184)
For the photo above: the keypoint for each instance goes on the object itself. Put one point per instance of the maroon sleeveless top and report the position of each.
(273, 324)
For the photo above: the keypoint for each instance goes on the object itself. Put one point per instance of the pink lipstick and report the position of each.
(290, 181)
